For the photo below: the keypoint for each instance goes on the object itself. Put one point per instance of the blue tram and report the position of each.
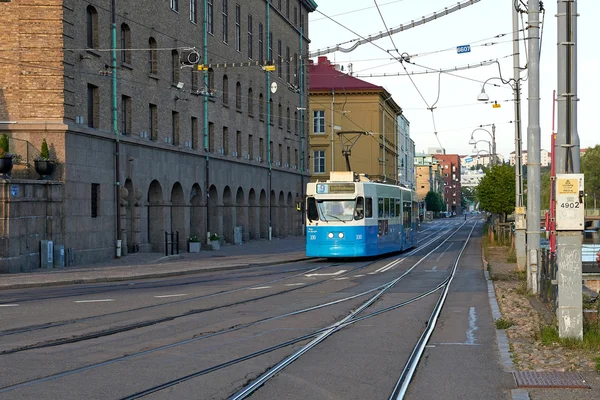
(355, 217)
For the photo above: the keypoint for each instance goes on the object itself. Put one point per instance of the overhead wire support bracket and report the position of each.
(348, 143)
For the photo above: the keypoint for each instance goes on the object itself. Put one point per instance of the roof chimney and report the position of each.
(323, 60)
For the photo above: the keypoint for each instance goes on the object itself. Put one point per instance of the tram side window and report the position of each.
(368, 207)
(392, 209)
(311, 209)
(407, 212)
(398, 207)
(386, 208)
(380, 208)
(360, 208)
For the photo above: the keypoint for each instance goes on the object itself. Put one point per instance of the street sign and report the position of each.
(463, 49)
(496, 105)
(468, 159)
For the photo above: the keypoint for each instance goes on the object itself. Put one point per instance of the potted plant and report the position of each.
(6, 159)
(44, 165)
(215, 241)
(194, 244)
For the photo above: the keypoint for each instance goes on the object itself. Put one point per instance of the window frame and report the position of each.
(319, 162)
(225, 21)
(320, 119)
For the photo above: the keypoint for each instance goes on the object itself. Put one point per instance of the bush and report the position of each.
(4, 145)
(194, 239)
(45, 154)
(502, 323)
(214, 237)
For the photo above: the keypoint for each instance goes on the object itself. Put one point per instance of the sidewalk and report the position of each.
(157, 265)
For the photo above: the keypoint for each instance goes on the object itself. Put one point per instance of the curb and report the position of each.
(90, 280)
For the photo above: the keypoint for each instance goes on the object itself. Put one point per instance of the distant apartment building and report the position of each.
(450, 170)
(545, 158)
(477, 161)
(349, 116)
(428, 175)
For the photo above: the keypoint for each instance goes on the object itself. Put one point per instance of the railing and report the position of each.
(26, 154)
(548, 285)
(172, 241)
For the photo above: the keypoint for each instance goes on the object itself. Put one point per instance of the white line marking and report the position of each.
(359, 276)
(260, 287)
(294, 284)
(371, 273)
(443, 252)
(9, 305)
(170, 295)
(433, 269)
(94, 301)
(340, 279)
(472, 326)
(341, 271)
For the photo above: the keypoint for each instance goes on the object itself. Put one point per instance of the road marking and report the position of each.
(433, 269)
(443, 252)
(371, 273)
(340, 279)
(341, 271)
(359, 276)
(9, 305)
(472, 326)
(170, 295)
(294, 284)
(260, 287)
(94, 301)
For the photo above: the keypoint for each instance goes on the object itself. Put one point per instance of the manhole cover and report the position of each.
(533, 379)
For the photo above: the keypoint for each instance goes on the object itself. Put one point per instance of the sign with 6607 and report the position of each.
(463, 49)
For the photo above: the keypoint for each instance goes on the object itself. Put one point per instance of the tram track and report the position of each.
(207, 335)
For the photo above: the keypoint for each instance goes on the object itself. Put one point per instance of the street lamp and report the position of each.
(483, 95)
(492, 135)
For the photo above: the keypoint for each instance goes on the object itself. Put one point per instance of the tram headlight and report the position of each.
(330, 235)
(341, 235)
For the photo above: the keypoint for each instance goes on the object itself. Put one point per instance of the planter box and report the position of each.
(194, 247)
(216, 245)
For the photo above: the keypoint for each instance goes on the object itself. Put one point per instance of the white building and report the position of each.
(476, 161)
(406, 154)
(545, 157)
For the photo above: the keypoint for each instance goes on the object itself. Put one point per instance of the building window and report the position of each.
(152, 56)
(319, 121)
(261, 148)
(280, 150)
(224, 12)
(270, 111)
(125, 115)
(279, 58)
(93, 106)
(289, 122)
(194, 80)
(287, 9)
(261, 57)
(287, 64)
(238, 96)
(125, 44)
(194, 132)
(174, 66)
(211, 79)
(175, 128)
(209, 17)
(296, 16)
(280, 115)
(251, 147)
(279, 5)
(225, 140)
(319, 162)
(296, 123)
(250, 37)
(95, 199)
(175, 5)
(193, 12)
(270, 48)
(211, 137)
(238, 28)
(92, 27)
(250, 103)
(261, 107)
(225, 90)
(288, 155)
(238, 143)
(153, 122)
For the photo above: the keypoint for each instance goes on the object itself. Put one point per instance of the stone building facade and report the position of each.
(174, 148)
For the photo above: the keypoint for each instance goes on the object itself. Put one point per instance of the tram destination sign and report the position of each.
(328, 188)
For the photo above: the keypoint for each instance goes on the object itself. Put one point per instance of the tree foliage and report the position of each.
(496, 191)
(590, 167)
(434, 201)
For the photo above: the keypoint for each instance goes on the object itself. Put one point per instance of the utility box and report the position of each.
(47, 254)
(569, 202)
(59, 256)
(237, 235)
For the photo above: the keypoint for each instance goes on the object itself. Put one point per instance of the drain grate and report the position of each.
(534, 379)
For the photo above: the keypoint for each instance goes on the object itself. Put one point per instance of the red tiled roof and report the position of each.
(324, 76)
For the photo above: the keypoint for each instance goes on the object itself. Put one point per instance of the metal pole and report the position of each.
(569, 311)
(114, 113)
(533, 148)
(520, 230)
(494, 143)
(205, 116)
(268, 76)
(332, 131)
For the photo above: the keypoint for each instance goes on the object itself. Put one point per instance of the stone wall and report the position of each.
(30, 211)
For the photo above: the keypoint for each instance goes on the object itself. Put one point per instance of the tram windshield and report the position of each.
(340, 210)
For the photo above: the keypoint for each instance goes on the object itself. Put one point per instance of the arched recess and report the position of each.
(129, 212)
(213, 211)
(282, 215)
(290, 215)
(263, 219)
(241, 212)
(273, 211)
(156, 221)
(253, 216)
(228, 215)
(178, 211)
(197, 224)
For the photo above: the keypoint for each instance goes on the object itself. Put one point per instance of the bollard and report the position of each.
(119, 248)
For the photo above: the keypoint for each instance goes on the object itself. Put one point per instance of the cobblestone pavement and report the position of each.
(528, 314)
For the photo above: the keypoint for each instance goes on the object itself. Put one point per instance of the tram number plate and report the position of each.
(313, 237)
(569, 205)
(359, 237)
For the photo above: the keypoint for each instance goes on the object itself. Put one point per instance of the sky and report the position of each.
(457, 113)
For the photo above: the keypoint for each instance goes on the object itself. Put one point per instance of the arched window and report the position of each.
(125, 44)
(295, 122)
(92, 27)
(211, 79)
(261, 107)
(238, 96)
(152, 56)
(280, 115)
(225, 89)
(289, 122)
(194, 79)
(174, 66)
(250, 102)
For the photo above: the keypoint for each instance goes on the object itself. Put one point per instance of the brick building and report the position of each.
(450, 171)
(198, 151)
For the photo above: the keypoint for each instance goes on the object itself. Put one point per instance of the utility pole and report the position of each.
(569, 184)
(519, 206)
(533, 148)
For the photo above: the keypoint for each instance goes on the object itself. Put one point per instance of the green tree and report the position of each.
(545, 190)
(433, 201)
(496, 191)
(468, 196)
(590, 167)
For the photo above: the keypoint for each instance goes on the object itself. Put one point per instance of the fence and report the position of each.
(172, 241)
(548, 286)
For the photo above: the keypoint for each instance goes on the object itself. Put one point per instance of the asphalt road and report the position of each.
(110, 341)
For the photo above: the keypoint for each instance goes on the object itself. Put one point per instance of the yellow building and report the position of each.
(348, 115)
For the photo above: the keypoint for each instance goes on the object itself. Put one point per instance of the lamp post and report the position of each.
(492, 135)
